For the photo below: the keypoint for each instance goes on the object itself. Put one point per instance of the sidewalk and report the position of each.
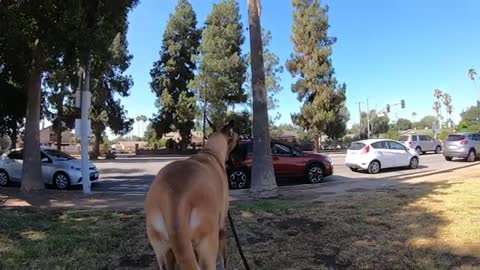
(13, 197)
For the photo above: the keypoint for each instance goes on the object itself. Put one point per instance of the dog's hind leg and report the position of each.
(208, 251)
(161, 248)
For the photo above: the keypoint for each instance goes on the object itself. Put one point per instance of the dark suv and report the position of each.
(288, 161)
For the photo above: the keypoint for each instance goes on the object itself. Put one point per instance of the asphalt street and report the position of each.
(135, 174)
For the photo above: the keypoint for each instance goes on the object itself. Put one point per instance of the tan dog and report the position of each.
(187, 205)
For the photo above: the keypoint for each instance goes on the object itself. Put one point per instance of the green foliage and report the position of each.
(242, 123)
(316, 85)
(426, 122)
(392, 135)
(404, 124)
(223, 67)
(337, 128)
(378, 125)
(172, 73)
(170, 144)
(470, 120)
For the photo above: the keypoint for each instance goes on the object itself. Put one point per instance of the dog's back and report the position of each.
(185, 209)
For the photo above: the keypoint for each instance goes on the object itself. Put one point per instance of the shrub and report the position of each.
(170, 144)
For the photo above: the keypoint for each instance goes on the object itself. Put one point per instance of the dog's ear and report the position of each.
(228, 128)
(212, 126)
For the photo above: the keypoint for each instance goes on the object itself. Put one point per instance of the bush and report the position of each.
(162, 143)
(170, 144)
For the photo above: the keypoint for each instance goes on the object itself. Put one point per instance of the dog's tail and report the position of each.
(179, 234)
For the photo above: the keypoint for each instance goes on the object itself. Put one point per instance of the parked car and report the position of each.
(58, 168)
(288, 161)
(376, 154)
(462, 145)
(421, 143)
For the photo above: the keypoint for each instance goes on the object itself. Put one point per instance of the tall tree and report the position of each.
(108, 79)
(316, 85)
(437, 105)
(426, 122)
(272, 69)
(28, 30)
(338, 127)
(222, 69)
(403, 124)
(472, 74)
(263, 178)
(447, 102)
(172, 74)
(378, 124)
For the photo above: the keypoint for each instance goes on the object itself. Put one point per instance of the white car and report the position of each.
(58, 168)
(376, 154)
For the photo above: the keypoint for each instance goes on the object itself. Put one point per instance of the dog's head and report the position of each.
(228, 132)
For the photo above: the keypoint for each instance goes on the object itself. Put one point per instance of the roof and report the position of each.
(370, 141)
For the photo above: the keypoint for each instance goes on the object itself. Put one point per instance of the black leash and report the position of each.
(235, 235)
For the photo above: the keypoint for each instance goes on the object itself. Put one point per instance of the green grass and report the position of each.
(427, 226)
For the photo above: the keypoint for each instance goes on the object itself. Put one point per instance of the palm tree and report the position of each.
(447, 101)
(263, 184)
(472, 74)
(138, 119)
(414, 116)
(437, 105)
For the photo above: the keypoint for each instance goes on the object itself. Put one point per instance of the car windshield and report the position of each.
(455, 137)
(58, 155)
(403, 138)
(356, 146)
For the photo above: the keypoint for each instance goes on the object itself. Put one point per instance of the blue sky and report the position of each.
(386, 51)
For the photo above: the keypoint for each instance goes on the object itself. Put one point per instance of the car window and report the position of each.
(424, 138)
(280, 149)
(403, 138)
(18, 155)
(414, 138)
(396, 146)
(475, 137)
(58, 155)
(380, 145)
(455, 138)
(356, 146)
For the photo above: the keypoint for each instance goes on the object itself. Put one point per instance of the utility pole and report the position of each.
(368, 121)
(360, 115)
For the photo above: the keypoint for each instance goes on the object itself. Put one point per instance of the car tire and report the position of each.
(413, 163)
(238, 178)
(61, 181)
(315, 173)
(471, 156)
(448, 158)
(4, 178)
(419, 150)
(374, 167)
(438, 150)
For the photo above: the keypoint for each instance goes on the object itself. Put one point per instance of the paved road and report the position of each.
(136, 174)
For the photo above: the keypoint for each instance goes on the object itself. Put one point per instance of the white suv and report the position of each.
(421, 143)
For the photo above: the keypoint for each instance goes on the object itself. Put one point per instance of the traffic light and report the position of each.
(402, 103)
(388, 108)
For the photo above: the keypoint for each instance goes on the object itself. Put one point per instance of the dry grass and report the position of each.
(428, 226)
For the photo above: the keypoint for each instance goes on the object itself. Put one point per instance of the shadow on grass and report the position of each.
(391, 228)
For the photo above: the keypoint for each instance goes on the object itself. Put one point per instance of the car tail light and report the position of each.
(366, 149)
(410, 143)
(464, 142)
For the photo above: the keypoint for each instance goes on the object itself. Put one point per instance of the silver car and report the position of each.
(58, 168)
(421, 143)
(462, 145)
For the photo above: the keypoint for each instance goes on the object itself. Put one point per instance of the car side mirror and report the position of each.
(45, 160)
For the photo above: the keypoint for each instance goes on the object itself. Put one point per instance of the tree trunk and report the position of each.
(263, 184)
(316, 143)
(13, 137)
(59, 127)
(96, 145)
(32, 169)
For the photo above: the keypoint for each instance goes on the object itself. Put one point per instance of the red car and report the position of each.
(288, 161)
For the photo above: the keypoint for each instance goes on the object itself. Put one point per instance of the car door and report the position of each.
(14, 165)
(476, 141)
(384, 154)
(430, 143)
(400, 154)
(281, 158)
(48, 168)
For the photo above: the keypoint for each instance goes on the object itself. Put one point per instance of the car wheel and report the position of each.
(353, 169)
(239, 178)
(413, 163)
(61, 180)
(315, 173)
(374, 167)
(448, 158)
(471, 156)
(438, 150)
(4, 178)
(419, 150)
